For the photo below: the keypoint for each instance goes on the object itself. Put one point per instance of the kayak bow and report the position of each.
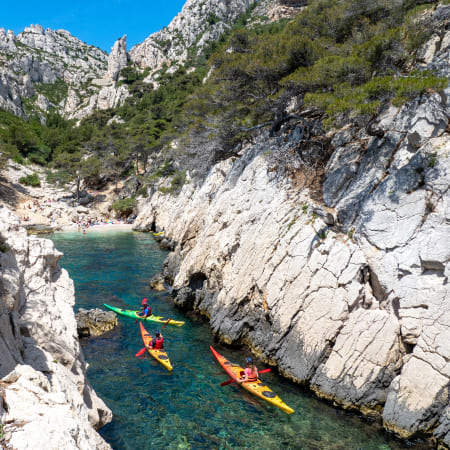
(160, 355)
(257, 388)
(152, 318)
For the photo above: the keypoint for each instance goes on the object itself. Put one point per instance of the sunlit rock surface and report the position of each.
(47, 402)
(358, 310)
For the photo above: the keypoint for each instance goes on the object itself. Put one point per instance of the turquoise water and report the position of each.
(186, 408)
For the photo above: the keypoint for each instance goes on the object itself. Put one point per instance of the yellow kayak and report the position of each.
(158, 234)
(257, 388)
(160, 355)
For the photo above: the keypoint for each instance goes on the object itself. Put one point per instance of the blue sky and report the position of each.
(97, 22)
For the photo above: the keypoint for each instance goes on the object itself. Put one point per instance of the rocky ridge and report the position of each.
(45, 397)
(38, 67)
(49, 69)
(350, 297)
(197, 25)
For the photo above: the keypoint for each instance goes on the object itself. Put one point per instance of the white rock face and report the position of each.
(83, 77)
(118, 59)
(360, 312)
(47, 401)
(198, 24)
(38, 57)
(273, 10)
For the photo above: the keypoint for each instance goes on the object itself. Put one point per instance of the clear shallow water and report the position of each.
(186, 408)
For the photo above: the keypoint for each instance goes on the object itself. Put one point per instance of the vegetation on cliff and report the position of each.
(339, 58)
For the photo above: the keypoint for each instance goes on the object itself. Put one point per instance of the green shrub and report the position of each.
(125, 206)
(176, 183)
(164, 170)
(18, 159)
(432, 160)
(30, 180)
(58, 177)
(40, 155)
(55, 92)
(367, 98)
(142, 192)
(213, 19)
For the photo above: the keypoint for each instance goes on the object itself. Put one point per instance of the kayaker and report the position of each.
(250, 372)
(157, 342)
(146, 309)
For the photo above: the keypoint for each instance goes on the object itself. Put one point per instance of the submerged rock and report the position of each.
(95, 322)
(157, 282)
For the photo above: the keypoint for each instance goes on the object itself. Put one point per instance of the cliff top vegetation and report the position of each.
(340, 58)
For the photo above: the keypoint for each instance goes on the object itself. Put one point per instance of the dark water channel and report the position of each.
(186, 408)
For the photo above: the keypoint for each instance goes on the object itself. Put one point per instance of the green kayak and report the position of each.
(152, 318)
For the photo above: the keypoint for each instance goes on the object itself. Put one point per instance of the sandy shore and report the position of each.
(109, 227)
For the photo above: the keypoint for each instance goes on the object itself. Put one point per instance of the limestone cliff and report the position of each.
(43, 70)
(49, 69)
(37, 67)
(348, 294)
(45, 398)
(198, 24)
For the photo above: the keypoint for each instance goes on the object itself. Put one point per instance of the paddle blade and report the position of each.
(140, 352)
(164, 326)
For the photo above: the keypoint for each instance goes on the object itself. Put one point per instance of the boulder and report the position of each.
(86, 200)
(166, 244)
(157, 282)
(95, 322)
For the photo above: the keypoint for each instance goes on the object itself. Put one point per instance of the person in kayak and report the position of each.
(250, 373)
(157, 342)
(146, 309)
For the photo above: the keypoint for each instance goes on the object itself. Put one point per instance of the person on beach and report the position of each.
(146, 309)
(157, 342)
(250, 373)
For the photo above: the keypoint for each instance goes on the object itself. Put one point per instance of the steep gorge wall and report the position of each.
(359, 310)
(45, 398)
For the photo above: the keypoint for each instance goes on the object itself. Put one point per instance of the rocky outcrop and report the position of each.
(105, 93)
(40, 65)
(95, 322)
(108, 96)
(350, 297)
(273, 10)
(157, 282)
(118, 59)
(198, 24)
(46, 400)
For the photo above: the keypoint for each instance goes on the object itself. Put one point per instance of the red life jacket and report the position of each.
(158, 343)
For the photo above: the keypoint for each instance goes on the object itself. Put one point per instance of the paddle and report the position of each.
(226, 383)
(140, 317)
(142, 350)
